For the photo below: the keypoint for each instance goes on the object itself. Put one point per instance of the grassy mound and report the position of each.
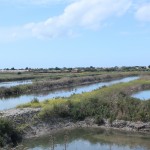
(112, 102)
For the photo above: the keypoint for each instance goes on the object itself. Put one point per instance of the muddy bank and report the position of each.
(27, 120)
(59, 84)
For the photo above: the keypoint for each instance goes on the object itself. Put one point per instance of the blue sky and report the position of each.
(74, 33)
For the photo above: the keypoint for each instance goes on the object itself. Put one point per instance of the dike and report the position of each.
(27, 120)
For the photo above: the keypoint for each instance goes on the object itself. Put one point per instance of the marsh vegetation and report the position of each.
(64, 82)
(113, 102)
(108, 102)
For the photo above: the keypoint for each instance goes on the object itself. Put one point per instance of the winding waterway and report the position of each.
(7, 103)
(90, 139)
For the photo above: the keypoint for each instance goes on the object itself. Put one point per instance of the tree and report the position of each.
(12, 68)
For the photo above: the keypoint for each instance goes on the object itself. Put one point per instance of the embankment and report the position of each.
(49, 85)
(26, 119)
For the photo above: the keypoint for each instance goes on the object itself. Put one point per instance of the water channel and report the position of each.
(143, 95)
(7, 103)
(90, 139)
(14, 83)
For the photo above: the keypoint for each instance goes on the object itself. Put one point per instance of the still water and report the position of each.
(14, 83)
(90, 139)
(143, 95)
(7, 103)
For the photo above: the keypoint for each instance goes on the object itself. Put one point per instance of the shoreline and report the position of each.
(41, 120)
(60, 84)
(33, 127)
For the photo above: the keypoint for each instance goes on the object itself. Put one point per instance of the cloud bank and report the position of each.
(80, 14)
(143, 13)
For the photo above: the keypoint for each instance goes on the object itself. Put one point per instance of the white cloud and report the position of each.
(80, 14)
(143, 13)
(89, 14)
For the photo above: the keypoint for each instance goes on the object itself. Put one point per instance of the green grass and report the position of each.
(112, 102)
(8, 76)
(13, 76)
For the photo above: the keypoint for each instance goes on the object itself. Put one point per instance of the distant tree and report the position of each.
(6, 69)
(70, 69)
(57, 68)
(50, 68)
(12, 68)
(92, 67)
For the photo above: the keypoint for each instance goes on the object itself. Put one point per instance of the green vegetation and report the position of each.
(112, 102)
(58, 73)
(79, 69)
(39, 75)
(65, 82)
(8, 133)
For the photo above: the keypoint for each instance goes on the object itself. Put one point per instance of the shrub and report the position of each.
(19, 73)
(62, 110)
(8, 133)
(47, 112)
(99, 120)
(35, 100)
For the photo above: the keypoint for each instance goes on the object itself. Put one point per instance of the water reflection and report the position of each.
(6, 103)
(91, 139)
(14, 83)
(143, 95)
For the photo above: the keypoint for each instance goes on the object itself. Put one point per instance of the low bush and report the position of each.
(8, 133)
(35, 100)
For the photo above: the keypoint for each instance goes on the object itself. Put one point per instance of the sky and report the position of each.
(74, 33)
